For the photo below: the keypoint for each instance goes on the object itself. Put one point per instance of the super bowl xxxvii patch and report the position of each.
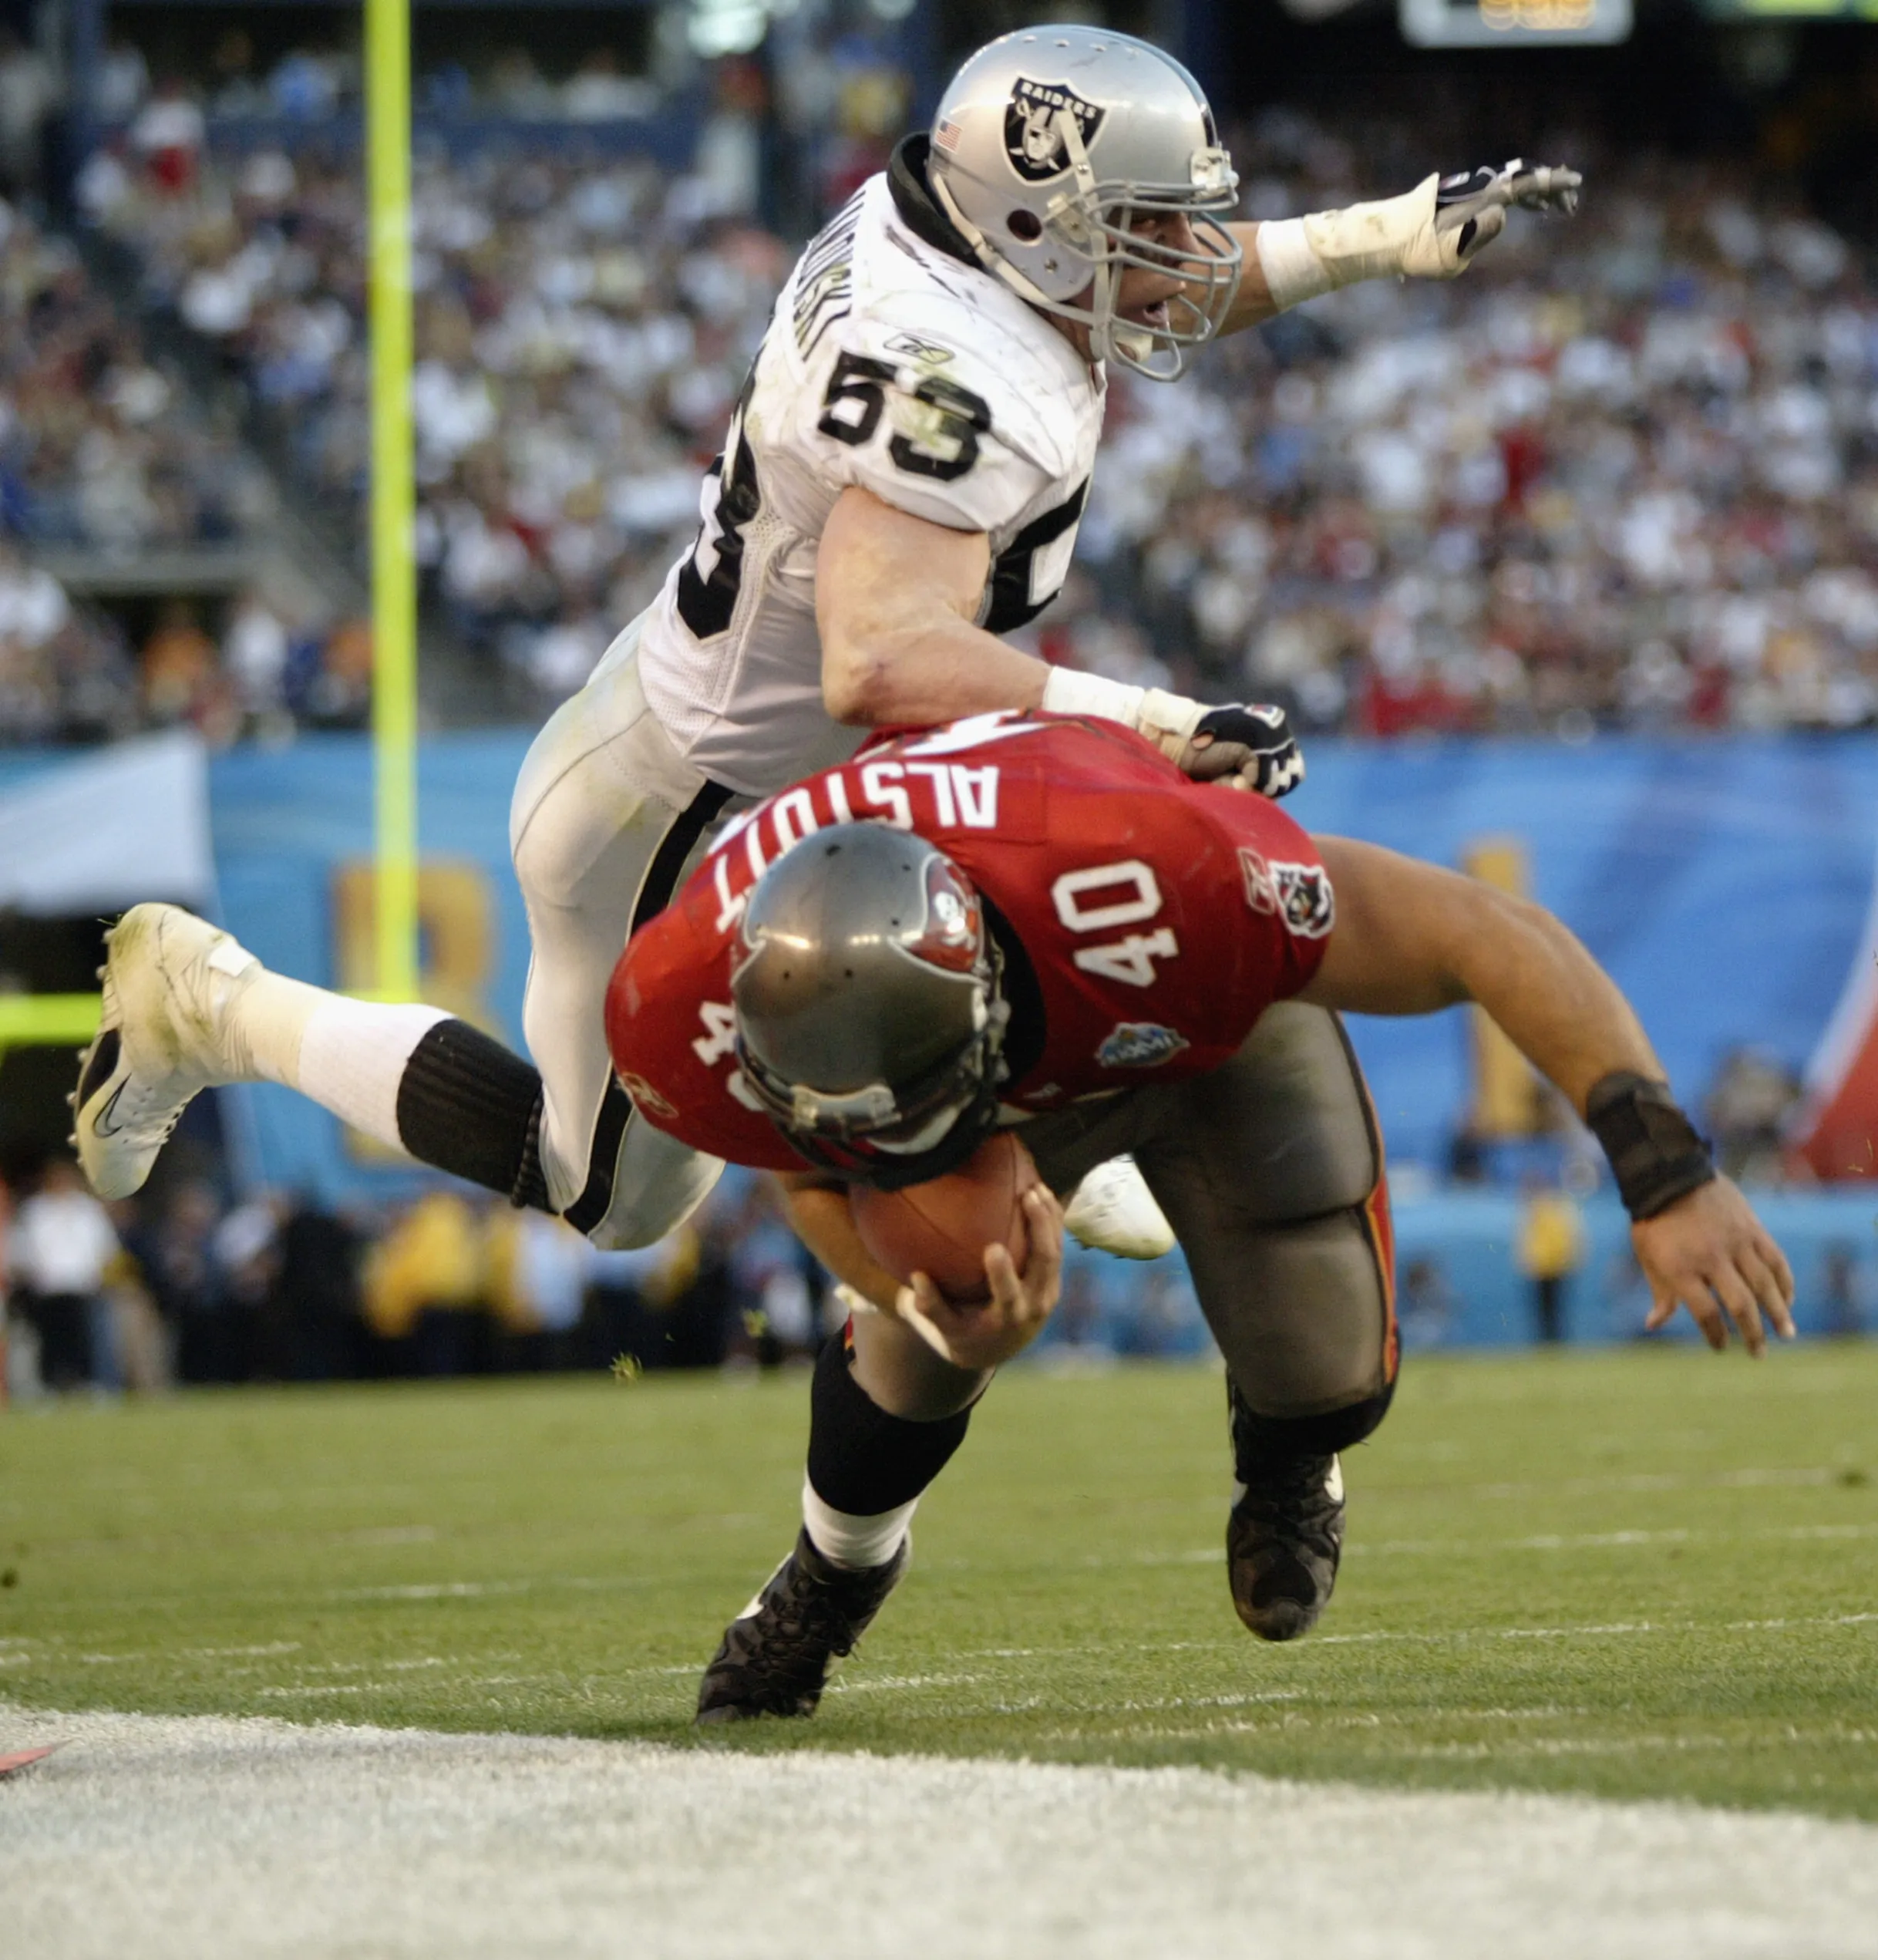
(1140, 1045)
(1305, 901)
(1033, 137)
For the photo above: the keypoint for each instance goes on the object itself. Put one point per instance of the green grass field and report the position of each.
(1651, 1573)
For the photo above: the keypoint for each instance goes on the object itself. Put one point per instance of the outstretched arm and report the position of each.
(1435, 231)
(897, 600)
(1412, 938)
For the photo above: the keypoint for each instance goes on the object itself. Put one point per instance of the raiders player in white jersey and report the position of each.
(901, 484)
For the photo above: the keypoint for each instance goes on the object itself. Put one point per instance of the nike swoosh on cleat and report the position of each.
(101, 1123)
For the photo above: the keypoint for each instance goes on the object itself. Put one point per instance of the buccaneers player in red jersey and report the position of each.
(1038, 920)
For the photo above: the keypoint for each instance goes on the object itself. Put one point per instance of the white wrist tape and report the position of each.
(1304, 257)
(1168, 719)
(1293, 273)
(1068, 691)
(1170, 715)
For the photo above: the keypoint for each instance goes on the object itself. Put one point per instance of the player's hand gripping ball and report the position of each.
(941, 1228)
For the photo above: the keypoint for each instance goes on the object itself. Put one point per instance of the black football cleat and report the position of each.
(1283, 1539)
(775, 1655)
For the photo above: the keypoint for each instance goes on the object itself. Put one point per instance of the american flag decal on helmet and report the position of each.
(947, 136)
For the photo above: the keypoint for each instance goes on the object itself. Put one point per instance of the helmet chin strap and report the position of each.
(1101, 311)
(993, 261)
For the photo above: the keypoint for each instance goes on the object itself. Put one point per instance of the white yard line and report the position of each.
(213, 1839)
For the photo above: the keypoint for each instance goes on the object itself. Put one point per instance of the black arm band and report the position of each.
(1655, 1153)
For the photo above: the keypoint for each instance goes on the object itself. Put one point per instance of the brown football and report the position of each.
(941, 1227)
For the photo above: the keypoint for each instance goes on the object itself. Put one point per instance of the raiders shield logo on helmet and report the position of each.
(1034, 136)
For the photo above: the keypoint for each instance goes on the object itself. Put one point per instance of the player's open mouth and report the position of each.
(1154, 315)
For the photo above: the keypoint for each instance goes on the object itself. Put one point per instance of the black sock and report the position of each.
(1259, 1442)
(470, 1106)
(861, 1459)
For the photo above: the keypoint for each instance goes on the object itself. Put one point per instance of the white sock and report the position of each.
(855, 1543)
(348, 1055)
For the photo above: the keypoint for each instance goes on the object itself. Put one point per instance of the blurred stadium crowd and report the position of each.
(193, 1282)
(182, 1285)
(1625, 475)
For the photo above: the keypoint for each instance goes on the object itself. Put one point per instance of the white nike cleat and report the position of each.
(169, 979)
(1114, 1211)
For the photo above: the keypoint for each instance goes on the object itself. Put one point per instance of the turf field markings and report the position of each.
(484, 1588)
(242, 1653)
(1538, 1541)
(1149, 1704)
(210, 1841)
(877, 1683)
(1595, 1540)
(1455, 1635)
(1830, 1620)
(324, 1690)
(441, 1589)
(1749, 1478)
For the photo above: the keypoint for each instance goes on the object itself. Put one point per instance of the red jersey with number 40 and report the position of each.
(1161, 916)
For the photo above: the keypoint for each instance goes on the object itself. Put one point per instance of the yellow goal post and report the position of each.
(28, 1020)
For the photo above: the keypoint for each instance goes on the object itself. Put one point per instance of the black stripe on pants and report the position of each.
(662, 880)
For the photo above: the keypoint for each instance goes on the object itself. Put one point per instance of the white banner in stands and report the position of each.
(111, 827)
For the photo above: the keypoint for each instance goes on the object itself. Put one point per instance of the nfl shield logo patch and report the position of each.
(1034, 136)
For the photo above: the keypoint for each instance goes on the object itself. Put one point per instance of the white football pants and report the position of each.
(607, 822)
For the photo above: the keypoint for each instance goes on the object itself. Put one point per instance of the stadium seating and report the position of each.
(1625, 475)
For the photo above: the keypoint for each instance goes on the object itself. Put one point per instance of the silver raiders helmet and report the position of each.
(865, 989)
(1048, 146)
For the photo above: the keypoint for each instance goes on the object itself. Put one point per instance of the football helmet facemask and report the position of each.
(1051, 146)
(865, 986)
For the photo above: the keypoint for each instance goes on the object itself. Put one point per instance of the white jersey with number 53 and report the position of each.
(893, 363)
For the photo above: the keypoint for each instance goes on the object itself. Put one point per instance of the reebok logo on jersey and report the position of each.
(928, 353)
(1034, 138)
(1261, 893)
(1140, 1045)
(647, 1097)
(1306, 902)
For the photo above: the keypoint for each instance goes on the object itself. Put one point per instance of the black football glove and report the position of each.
(1471, 206)
(1245, 747)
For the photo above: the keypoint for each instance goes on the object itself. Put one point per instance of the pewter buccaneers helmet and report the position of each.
(865, 987)
(1049, 144)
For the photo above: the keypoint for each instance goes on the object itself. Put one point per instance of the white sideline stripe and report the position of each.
(215, 1839)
